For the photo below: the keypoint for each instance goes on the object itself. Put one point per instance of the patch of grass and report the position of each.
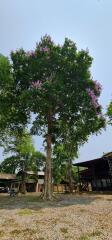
(88, 236)
(82, 210)
(29, 230)
(25, 211)
(6, 222)
(41, 238)
(23, 231)
(84, 237)
(54, 221)
(15, 232)
(64, 230)
(1, 233)
(32, 198)
(95, 233)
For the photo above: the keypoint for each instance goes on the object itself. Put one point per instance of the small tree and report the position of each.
(71, 138)
(24, 157)
(54, 83)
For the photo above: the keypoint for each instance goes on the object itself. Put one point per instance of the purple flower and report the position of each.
(44, 49)
(36, 84)
(93, 98)
(30, 54)
(98, 86)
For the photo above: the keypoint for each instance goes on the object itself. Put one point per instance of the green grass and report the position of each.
(24, 212)
(84, 237)
(32, 198)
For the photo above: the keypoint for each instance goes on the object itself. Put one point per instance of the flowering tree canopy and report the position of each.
(54, 82)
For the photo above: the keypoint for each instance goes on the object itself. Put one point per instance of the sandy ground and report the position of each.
(69, 217)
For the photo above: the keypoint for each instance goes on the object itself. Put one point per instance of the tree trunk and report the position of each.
(23, 184)
(23, 187)
(48, 168)
(70, 175)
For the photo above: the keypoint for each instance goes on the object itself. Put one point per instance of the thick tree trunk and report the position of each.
(23, 185)
(48, 169)
(70, 176)
(23, 188)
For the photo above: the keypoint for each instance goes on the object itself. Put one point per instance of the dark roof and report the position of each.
(94, 161)
(89, 162)
(107, 155)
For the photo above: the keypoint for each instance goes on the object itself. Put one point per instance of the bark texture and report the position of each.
(70, 175)
(23, 184)
(48, 169)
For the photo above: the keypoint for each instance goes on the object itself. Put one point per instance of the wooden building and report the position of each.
(33, 182)
(96, 173)
(6, 180)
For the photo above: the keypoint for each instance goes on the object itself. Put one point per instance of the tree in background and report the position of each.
(24, 156)
(63, 169)
(54, 83)
(12, 115)
(109, 112)
(10, 164)
(67, 146)
(59, 162)
(5, 84)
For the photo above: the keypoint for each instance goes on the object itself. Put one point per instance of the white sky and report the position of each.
(87, 22)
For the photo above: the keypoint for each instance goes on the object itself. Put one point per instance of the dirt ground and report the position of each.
(68, 217)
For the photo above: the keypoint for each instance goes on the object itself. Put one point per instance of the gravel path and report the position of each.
(69, 217)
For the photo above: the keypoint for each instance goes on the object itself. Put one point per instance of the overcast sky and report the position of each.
(87, 22)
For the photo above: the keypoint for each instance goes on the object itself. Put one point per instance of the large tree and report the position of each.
(54, 82)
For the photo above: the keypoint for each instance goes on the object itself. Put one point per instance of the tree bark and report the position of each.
(70, 176)
(23, 184)
(23, 188)
(48, 168)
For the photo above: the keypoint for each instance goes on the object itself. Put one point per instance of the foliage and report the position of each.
(109, 112)
(66, 150)
(57, 79)
(24, 155)
(59, 164)
(54, 82)
(14, 163)
(10, 164)
(12, 116)
(5, 82)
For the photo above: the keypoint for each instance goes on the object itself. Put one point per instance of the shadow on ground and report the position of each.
(35, 202)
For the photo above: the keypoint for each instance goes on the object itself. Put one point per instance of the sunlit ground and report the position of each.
(78, 217)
